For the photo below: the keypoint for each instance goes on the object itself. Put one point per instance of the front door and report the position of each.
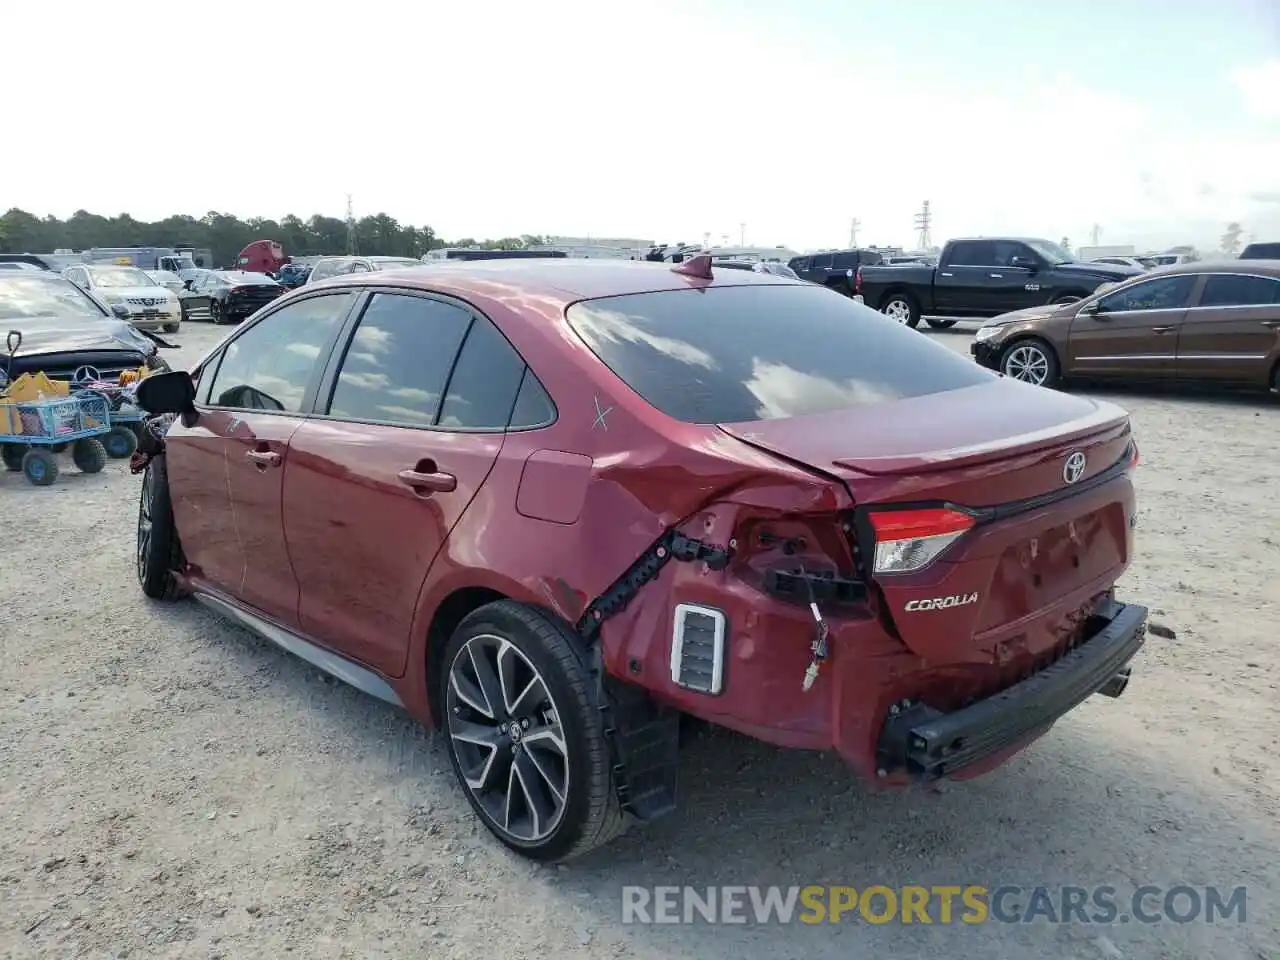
(375, 485)
(1233, 332)
(1134, 332)
(229, 465)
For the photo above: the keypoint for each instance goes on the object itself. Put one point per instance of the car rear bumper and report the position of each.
(986, 355)
(927, 743)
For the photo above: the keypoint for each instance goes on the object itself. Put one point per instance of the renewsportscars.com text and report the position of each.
(939, 904)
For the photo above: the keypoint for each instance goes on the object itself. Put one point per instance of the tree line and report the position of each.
(225, 235)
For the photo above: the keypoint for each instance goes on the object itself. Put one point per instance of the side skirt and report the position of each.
(362, 678)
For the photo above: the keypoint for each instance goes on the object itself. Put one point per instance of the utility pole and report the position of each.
(854, 224)
(742, 234)
(351, 228)
(1095, 234)
(924, 219)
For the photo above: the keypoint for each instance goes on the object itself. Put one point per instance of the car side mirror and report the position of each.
(120, 310)
(1091, 309)
(172, 392)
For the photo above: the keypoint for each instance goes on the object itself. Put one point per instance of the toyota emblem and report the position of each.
(86, 374)
(1073, 469)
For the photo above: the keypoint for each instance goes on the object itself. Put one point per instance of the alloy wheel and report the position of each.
(504, 730)
(898, 310)
(1027, 363)
(144, 522)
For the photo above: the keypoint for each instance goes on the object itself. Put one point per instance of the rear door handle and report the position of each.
(264, 458)
(1270, 324)
(997, 276)
(1163, 329)
(428, 481)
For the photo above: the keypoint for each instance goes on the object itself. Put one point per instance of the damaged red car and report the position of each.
(554, 506)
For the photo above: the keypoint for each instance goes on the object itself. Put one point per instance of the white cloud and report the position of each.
(1259, 88)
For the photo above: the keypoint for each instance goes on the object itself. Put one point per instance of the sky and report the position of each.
(1155, 121)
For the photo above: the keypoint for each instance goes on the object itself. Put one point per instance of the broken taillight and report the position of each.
(910, 540)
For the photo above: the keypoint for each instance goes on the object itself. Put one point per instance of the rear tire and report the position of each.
(938, 323)
(216, 315)
(159, 553)
(1030, 360)
(120, 442)
(902, 308)
(11, 454)
(558, 753)
(89, 455)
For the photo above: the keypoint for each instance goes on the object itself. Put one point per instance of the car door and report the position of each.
(376, 482)
(1232, 333)
(227, 466)
(962, 284)
(1013, 283)
(1133, 331)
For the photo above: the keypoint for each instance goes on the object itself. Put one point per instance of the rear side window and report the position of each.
(395, 368)
(733, 354)
(485, 381)
(1239, 290)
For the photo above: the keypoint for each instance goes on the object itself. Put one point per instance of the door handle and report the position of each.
(1163, 329)
(428, 481)
(264, 458)
(1270, 324)
(997, 276)
(948, 274)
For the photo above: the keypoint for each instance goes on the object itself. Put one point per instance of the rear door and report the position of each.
(963, 284)
(227, 469)
(1134, 332)
(1233, 331)
(412, 418)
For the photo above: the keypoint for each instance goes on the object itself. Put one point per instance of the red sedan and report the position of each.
(553, 506)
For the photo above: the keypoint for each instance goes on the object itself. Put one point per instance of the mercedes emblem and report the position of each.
(86, 374)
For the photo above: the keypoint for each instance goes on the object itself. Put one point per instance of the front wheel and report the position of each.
(1065, 299)
(524, 733)
(1031, 361)
(940, 323)
(170, 328)
(902, 308)
(89, 455)
(215, 313)
(159, 554)
(40, 467)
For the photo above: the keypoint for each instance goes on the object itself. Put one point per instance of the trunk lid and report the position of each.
(1043, 541)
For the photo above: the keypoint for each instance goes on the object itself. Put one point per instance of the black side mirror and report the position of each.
(172, 392)
(120, 310)
(1091, 309)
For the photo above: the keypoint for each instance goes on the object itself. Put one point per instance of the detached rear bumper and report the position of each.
(928, 744)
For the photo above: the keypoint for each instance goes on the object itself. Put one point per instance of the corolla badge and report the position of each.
(1073, 469)
(86, 374)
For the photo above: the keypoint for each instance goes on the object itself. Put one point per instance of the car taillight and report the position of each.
(857, 281)
(910, 540)
(1133, 454)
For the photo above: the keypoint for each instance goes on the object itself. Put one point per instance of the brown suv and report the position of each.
(1208, 322)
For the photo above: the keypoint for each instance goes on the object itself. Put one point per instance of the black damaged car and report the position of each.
(228, 296)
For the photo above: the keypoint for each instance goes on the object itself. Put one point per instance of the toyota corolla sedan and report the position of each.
(551, 506)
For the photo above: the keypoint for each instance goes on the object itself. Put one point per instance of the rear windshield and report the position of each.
(1261, 251)
(763, 352)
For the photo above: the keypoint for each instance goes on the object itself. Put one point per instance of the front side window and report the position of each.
(763, 352)
(1160, 293)
(1240, 290)
(398, 361)
(270, 365)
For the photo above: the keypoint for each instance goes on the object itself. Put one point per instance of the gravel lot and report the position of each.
(172, 787)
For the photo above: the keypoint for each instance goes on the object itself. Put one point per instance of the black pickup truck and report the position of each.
(983, 277)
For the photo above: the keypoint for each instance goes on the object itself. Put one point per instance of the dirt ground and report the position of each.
(173, 787)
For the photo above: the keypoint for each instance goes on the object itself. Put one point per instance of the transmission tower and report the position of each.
(351, 228)
(1095, 234)
(854, 224)
(923, 220)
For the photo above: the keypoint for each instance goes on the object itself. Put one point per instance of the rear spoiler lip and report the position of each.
(1106, 419)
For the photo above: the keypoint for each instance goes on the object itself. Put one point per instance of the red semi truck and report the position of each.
(261, 256)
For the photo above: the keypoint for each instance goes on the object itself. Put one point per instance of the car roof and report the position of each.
(1270, 268)
(562, 281)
